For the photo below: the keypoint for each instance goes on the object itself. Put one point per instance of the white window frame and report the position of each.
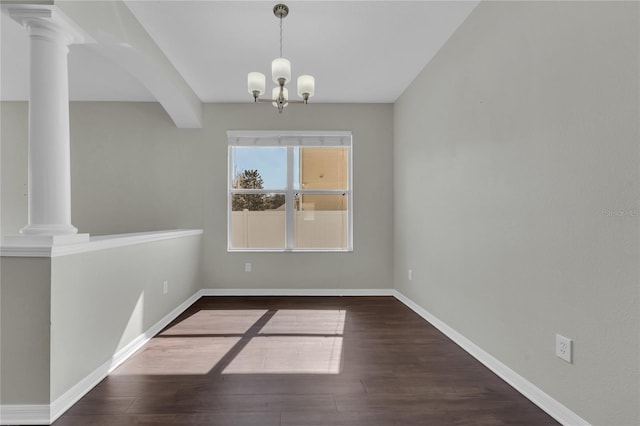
(291, 139)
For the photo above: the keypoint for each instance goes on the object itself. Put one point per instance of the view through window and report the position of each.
(290, 192)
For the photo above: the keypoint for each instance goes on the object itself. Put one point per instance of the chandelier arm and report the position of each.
(291, 101)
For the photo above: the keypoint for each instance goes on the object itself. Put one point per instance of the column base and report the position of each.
(49, 229)
(33, 240)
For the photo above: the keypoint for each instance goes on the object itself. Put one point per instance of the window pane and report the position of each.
(263, 167)
(309, 171)
(258, 220)
(321, 221)
(321, 168)
(257, 202)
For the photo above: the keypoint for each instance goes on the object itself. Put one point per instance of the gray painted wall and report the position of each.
(103, 300)
(133, 170)
(515, 178)
(25, 293)
(370, 263)
(64, 317)
(516, 195)
(14, 121)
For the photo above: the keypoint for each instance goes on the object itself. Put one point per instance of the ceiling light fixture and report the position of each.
(281, 75)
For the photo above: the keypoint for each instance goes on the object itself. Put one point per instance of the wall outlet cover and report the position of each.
(563, 348)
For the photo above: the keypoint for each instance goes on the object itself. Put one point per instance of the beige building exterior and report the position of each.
(324, 168)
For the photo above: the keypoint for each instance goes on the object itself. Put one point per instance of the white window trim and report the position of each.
(269, 138)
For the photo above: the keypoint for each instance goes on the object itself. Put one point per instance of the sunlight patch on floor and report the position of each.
(288, 355)
(216, 322)
(178, 356)
(306, 321)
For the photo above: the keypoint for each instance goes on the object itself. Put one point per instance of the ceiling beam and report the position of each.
(122, 39)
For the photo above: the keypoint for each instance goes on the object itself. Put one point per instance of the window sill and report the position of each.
(310, 250)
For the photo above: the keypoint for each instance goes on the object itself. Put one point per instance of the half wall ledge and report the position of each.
(93, 243)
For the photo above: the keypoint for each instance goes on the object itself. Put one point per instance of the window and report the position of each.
(289, 191)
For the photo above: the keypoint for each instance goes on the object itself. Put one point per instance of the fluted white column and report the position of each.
(49, 208)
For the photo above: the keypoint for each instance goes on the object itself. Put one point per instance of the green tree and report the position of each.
(251, 179)
(248, 179)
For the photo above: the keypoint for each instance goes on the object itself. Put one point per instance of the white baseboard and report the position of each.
(70, 397)
(536, 395)
(296, 292)
(123, 354)
(47, 414)
(24, 414)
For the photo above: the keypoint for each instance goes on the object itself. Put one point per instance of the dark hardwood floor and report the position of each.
(302, 361)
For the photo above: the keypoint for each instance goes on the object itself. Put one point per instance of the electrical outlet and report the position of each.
(410, 275)
(165, 287)
(563, 348)
(247, 267)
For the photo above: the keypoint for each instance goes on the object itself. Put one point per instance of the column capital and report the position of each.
(47, 22)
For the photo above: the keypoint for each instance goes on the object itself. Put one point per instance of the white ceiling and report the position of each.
(359, 51)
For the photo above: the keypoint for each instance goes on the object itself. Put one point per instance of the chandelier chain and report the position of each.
(281, 36)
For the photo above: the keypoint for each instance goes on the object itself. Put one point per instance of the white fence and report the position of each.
(266, 229)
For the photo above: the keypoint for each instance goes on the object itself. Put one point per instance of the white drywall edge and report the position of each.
(99, 242)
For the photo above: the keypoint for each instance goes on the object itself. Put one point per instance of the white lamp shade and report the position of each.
(281, 68)
(276, 92)
(306, 84)
(256, 82)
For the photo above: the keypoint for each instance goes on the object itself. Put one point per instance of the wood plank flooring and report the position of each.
(302, 361)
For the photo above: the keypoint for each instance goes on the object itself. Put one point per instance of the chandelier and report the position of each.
(281, 75)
